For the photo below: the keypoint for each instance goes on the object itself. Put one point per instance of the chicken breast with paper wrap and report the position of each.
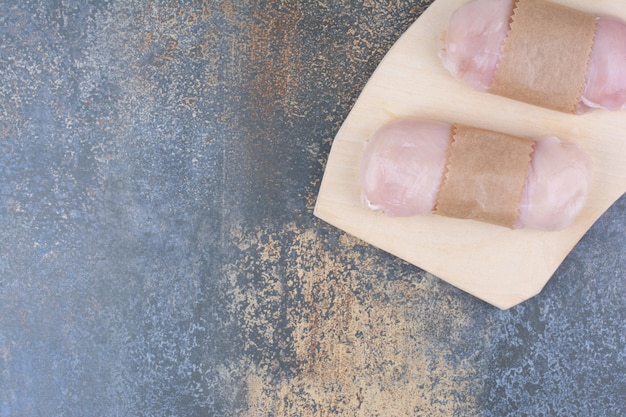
(416, 167)
(539, 52)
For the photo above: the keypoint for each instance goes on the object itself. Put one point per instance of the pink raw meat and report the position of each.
(403, 163)
(474, 39)
(402, 166)
(557, 185)
(606, 77)
(476, 33)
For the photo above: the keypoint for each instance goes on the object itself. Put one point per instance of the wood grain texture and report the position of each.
(501, 266)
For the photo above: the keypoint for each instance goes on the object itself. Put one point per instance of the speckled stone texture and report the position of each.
(159, 163)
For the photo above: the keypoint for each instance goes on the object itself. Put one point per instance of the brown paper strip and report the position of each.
(545, 55)
(485, 177)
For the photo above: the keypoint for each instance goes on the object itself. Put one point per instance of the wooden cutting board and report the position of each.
(502, 267)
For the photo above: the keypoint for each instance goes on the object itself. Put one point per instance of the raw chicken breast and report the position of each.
(556, 188)
(403, 164)
(476, 33)
(474, 40)
(606, 77)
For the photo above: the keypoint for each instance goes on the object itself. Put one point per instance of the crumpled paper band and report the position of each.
(485, 176)
(545, 55)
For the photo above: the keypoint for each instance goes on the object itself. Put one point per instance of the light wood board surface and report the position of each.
(502, 267)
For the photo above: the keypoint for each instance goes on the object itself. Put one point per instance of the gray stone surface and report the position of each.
(159, 163)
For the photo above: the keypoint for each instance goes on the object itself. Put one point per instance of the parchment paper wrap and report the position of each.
(545, 55)
(485, 176)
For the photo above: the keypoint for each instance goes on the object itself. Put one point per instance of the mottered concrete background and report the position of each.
(159, 163)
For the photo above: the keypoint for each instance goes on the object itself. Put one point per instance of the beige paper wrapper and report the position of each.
(485, 176)
(545, 55)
